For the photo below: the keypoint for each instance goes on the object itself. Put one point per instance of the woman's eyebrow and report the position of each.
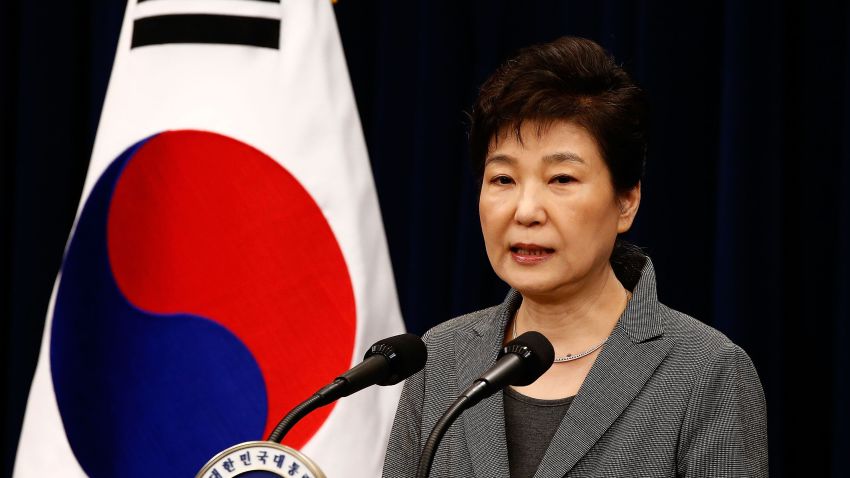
(500, 158)
(562, 157)
(553, 158)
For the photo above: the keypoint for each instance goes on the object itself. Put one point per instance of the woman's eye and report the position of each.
(562, 179)
(503, 180)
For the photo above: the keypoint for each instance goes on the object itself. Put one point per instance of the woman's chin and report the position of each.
(542, 286)
(535, 287)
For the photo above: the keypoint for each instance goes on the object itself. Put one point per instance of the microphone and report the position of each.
(387, 362)
(522, 361)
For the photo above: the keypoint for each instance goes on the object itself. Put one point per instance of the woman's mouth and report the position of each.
(530, 253)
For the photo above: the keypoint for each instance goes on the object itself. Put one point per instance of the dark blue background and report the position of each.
(745, 209)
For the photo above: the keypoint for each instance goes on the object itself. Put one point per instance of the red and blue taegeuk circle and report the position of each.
(202, 295)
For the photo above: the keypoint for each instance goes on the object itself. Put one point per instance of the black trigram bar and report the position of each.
(203, 28)
(268, 1)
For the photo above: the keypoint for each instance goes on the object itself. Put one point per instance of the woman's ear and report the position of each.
(628, 202)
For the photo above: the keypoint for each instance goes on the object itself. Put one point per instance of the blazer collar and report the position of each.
(632, 353)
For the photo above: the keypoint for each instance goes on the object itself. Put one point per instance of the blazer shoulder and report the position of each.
(464, 323)
(700, 343)
(684, 327)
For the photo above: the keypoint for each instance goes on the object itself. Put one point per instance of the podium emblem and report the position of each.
(260, 459)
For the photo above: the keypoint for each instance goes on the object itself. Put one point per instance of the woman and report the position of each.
(637, 389)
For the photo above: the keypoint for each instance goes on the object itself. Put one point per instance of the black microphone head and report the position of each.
(537, 354)
(406, 354)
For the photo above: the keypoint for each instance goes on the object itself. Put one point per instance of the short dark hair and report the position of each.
(570, 79)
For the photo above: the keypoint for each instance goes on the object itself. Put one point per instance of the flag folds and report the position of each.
(228, 257)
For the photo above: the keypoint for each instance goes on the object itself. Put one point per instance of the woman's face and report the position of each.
(548, 209)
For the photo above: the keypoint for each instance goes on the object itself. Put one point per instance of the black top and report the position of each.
(530, 424)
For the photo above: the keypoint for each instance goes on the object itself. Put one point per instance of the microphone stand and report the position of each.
(462, 403)
(294, 417)
(324, 396)
(387, 362)
(523, 360)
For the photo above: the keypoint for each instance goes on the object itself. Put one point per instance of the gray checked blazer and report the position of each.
(667, 397)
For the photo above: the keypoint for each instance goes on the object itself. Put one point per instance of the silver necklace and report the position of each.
(571, 357)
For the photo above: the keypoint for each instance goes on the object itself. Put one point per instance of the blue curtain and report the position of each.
(745, 211)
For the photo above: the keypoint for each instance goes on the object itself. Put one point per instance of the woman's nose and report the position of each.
(529, 208)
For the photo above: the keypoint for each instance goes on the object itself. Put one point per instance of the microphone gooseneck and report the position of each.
(522, 361)
(387, 362)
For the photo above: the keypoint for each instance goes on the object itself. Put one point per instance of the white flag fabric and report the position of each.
(228, 257)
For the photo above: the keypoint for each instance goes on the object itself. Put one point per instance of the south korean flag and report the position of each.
(228, 257)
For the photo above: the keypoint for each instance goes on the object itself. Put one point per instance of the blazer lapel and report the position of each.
(615, 379)
(484, 424)
(634, 350)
